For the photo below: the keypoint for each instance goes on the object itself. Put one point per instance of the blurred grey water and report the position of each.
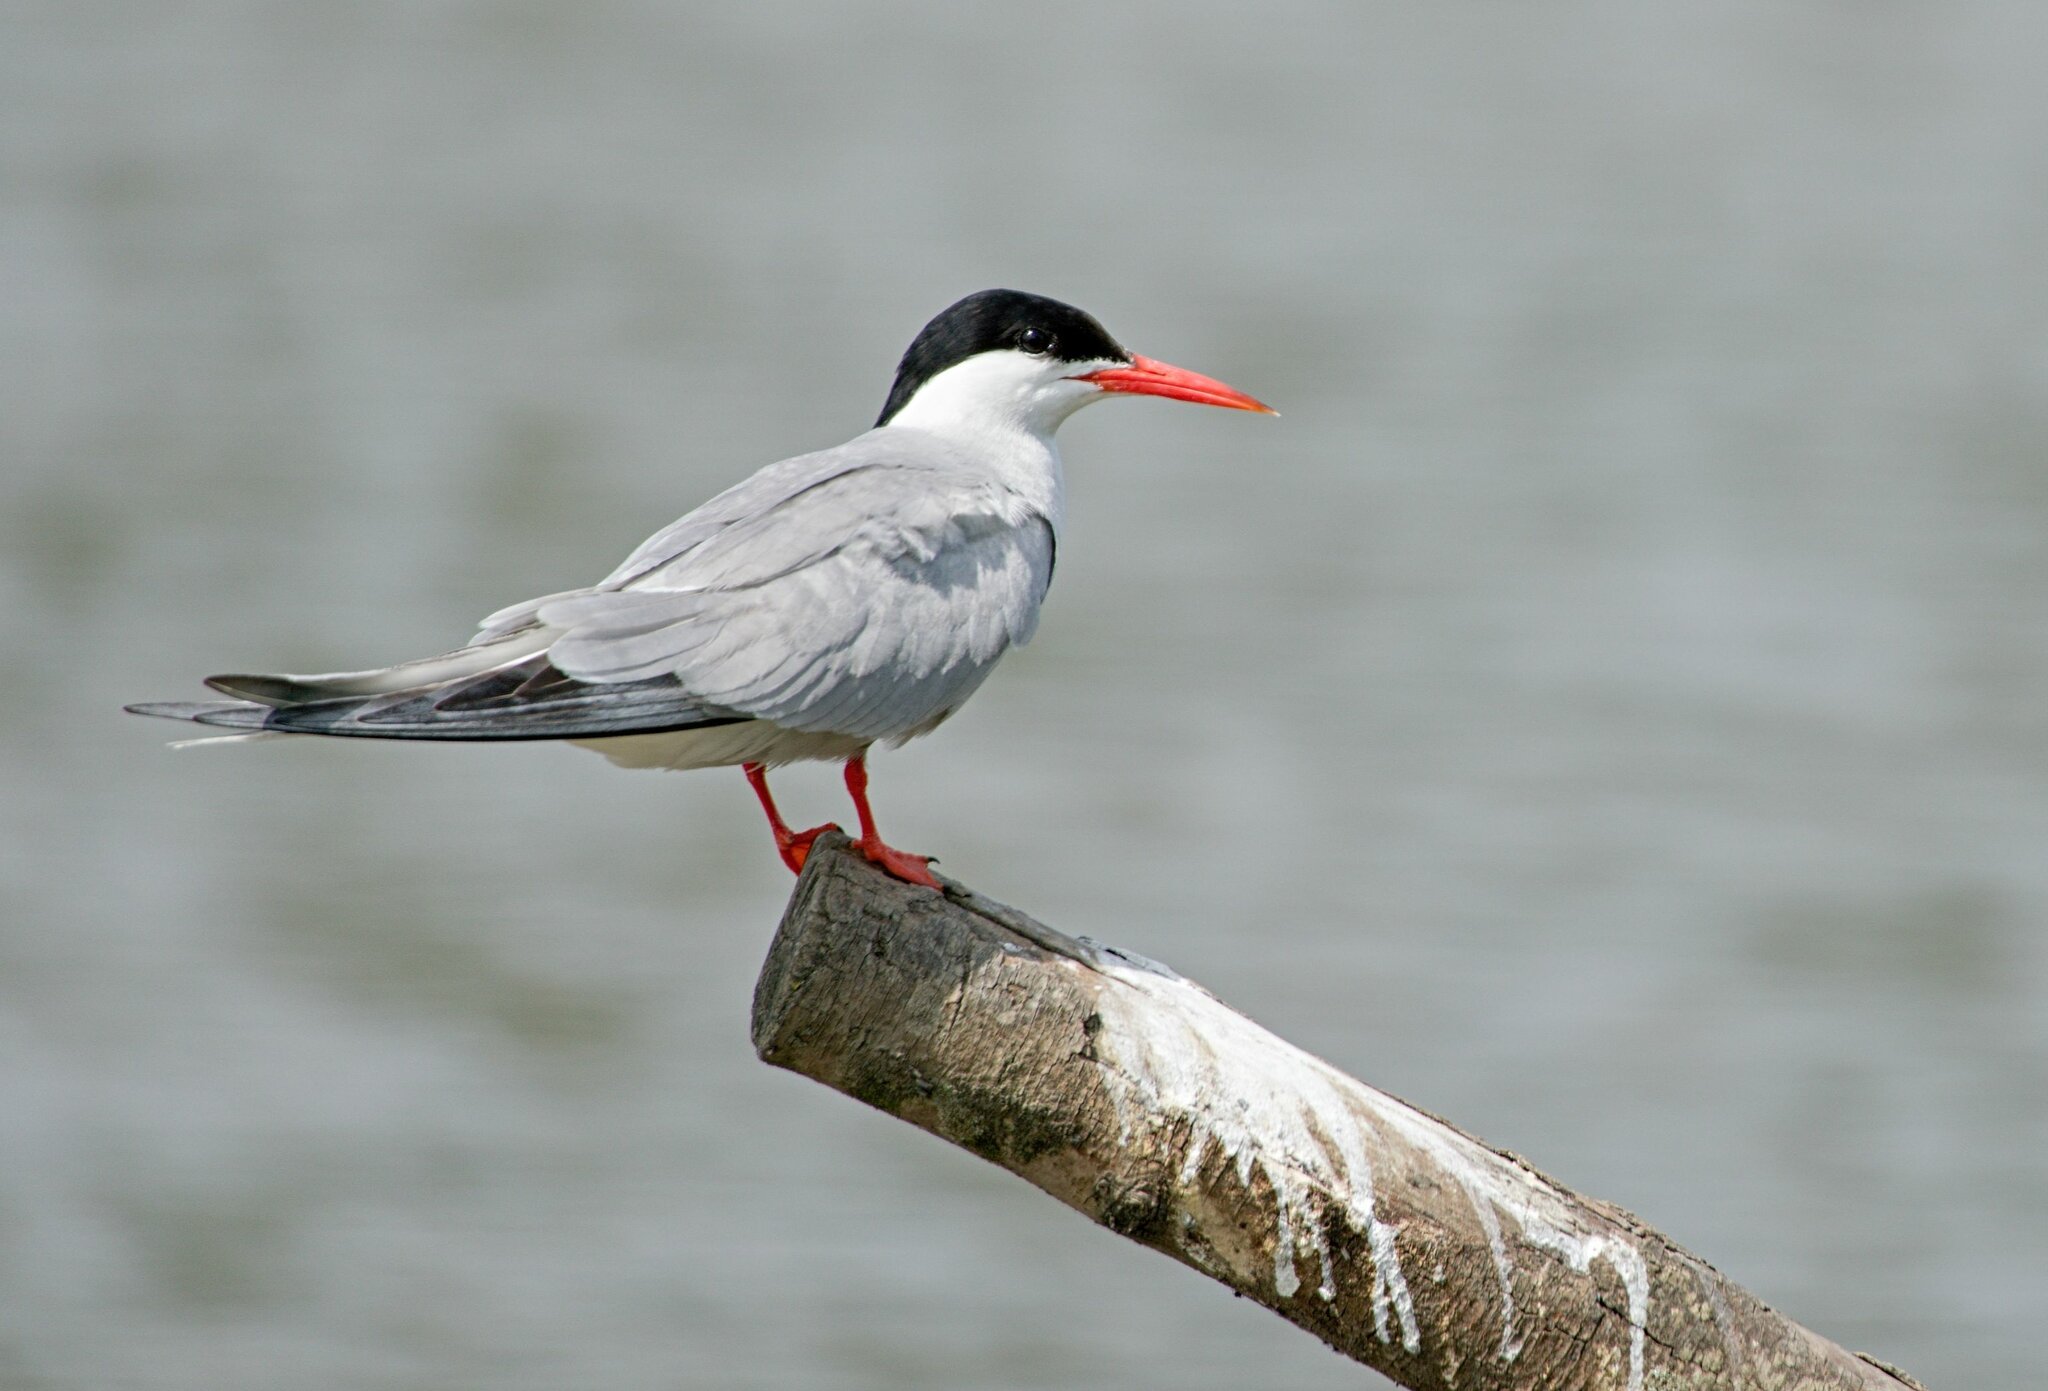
(1608, 707)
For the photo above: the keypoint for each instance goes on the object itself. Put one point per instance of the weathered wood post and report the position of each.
(1138, 1098)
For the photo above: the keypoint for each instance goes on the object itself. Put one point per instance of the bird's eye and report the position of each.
(1035, 340)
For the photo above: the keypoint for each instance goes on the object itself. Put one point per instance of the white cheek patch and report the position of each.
(1001, 389)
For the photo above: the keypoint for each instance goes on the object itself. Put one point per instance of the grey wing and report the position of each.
(876, 638)
(863, 591)
(703, 541)
(870, 600)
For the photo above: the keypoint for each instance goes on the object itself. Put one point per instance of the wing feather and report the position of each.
(529, 700)
(863, 592)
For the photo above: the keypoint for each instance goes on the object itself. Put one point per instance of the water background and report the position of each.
(1610, 707)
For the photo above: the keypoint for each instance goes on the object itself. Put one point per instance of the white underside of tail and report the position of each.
(721, 746)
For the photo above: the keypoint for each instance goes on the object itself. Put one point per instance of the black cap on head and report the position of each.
(995, 319)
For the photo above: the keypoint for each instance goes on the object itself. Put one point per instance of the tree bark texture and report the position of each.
(1136, 1097)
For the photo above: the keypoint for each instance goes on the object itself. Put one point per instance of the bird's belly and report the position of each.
(721, 746)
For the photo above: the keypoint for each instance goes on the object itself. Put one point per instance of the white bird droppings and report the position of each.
(1168, 1047)
(1266, 1106)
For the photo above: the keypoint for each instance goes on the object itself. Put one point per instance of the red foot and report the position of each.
(795, 846)
(912, 869)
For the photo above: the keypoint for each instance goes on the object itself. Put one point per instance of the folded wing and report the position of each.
(865, 591)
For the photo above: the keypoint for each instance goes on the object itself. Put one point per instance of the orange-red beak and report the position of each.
(1147, 377)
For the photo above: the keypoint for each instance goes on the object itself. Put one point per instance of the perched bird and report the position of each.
(830, 601)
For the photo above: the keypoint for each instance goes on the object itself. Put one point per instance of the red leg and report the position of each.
(793, 846)
(911, 868)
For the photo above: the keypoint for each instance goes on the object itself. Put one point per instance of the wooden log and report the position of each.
(1136, 1097)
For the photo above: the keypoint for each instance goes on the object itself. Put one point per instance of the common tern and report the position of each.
(831, 601)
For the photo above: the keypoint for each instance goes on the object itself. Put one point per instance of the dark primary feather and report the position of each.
(226, 714)
(526, 700)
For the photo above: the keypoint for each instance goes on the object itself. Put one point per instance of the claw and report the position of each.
(910, 868)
